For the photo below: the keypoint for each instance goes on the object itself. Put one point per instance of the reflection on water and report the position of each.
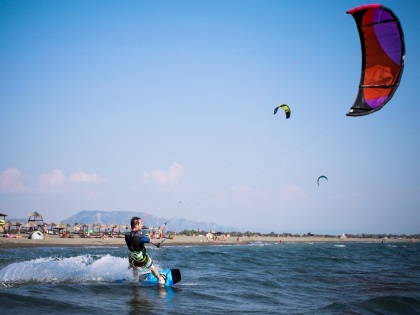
(148, 298)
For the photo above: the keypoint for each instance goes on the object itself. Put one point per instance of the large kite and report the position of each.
(383, 53)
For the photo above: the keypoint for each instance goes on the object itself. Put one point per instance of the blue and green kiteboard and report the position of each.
(172, 276)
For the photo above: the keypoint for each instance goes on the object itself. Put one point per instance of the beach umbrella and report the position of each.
(85, 227)
(59, 227)
(103, 226)
(122, 228)
(112, 227)
(119, 227)
(10, 224)
(31, 225)
(95, 226)
(16, 223)
(51, 225)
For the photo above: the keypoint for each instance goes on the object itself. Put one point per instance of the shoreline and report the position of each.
(180, 240)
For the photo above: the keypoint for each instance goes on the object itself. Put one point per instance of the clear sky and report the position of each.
(166, 107)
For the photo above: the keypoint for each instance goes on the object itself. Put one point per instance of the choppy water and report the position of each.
(262, 278)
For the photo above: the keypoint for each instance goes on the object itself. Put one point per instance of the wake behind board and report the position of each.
(172, 276)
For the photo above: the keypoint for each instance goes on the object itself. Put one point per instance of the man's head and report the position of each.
(136, 223)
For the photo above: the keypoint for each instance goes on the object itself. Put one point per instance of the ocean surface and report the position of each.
(260, 278)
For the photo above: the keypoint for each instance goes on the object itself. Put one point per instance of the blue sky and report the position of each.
(166, 107)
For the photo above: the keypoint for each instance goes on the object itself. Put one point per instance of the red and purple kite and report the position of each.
(383, 53)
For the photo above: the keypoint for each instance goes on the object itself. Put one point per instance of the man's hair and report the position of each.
(134, 221)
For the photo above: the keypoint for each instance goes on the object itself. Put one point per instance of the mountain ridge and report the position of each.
(124, 217)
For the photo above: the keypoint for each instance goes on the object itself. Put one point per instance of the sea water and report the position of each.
(259, 278)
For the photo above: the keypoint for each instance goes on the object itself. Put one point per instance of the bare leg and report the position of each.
(161, 278)
(155, 272)
(135, 273)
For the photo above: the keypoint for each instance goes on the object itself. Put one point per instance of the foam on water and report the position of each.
(82, 268)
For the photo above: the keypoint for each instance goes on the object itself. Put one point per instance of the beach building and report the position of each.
(35, 220)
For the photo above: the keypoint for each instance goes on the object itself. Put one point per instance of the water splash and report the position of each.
(78, 269)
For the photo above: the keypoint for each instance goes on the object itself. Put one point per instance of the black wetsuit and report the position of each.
(135, 241)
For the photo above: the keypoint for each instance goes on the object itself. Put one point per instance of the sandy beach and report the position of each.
(54, 240)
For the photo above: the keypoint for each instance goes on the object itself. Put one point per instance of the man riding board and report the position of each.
(138, 258)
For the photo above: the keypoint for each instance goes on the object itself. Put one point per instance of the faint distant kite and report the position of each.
(322, 176)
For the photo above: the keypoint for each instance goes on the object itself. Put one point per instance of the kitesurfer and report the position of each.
(138, 258)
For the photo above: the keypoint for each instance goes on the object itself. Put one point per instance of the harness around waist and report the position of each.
(138, 257)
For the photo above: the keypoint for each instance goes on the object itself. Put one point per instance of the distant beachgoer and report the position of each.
(44, 231)
(138, 258)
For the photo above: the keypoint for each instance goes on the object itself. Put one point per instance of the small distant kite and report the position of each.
(285, 108)
(383, 54)
(322, 176)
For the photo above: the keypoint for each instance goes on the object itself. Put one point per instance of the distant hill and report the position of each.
(124, 217)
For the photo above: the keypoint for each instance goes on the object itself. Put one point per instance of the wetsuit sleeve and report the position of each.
(137, 242)
(145, 239)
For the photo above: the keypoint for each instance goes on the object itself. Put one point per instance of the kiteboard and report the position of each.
(172, 276)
